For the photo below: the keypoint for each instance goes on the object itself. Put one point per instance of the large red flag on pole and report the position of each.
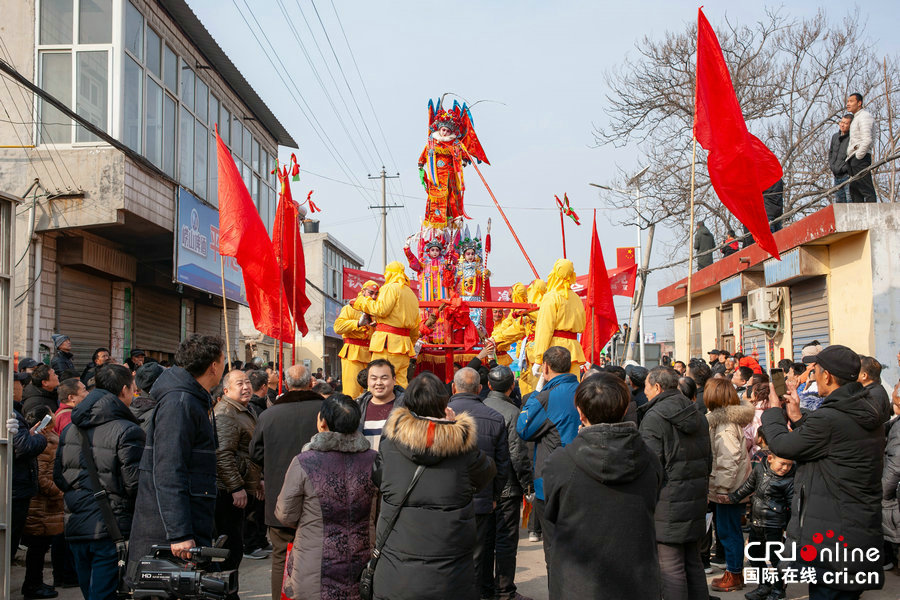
(286, 239)
(243, 236)
(600, 311)
(740, 166)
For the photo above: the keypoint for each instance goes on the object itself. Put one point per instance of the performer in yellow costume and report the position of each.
(510, 330)
(561, 316)
(396, 313)
(355, 354)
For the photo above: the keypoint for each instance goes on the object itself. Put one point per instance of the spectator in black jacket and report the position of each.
(700, 372)
(839, 451)
(493, 442)
(429, 551)
(281, 432)
(42, 390)
(27, 446)
(772, 484)
(259, 381)
(99, 358)
(117, 442)
(143, 404)
(704, 242)
(870, 378)
(837, 157)
(63, 361)
(773, 200)
(609, 478)
(679, 436)
(177, 492)
(500, 382)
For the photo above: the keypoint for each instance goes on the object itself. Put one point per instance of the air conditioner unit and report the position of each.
(763, 305)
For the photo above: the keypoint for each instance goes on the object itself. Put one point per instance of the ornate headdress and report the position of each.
(435, 243)
(459, 120)
(468, 242)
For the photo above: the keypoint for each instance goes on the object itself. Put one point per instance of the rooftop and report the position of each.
(818, 229)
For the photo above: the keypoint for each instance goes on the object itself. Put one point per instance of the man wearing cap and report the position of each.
(356, 330)
(63, 359)
(135, 359)
(837, 487)
(143, 404)
(715, 366)
(27, 365)
(396, 311)
(519, 481)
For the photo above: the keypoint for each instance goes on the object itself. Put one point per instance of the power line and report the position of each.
(344, 75)
(308, 114)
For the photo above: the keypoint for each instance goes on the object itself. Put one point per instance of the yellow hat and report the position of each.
(395, 273)
(518, 292)
(536, 291)
(371, 284)
(562, 277)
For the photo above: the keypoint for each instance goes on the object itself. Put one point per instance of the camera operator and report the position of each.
(177, 491)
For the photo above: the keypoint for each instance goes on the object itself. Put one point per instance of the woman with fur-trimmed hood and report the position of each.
(428, 554)
(727, 418)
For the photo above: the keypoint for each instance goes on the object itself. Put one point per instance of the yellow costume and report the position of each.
(525, 327)
(396, 311)
(355, 354)
(561, 316)
(510, 330)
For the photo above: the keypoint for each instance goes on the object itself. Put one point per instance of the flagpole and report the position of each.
(562, 227)
(281, 293)
(691, 248)
(593, 309)
(294, 291)
(225, 313)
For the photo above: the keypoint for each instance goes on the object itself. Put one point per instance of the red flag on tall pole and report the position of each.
(740, 166)
(243, 236)
(286, 239)
(600, 311)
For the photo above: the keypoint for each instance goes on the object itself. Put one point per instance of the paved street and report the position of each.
(531, 579)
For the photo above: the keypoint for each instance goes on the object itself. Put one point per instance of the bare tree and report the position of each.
(791, 76)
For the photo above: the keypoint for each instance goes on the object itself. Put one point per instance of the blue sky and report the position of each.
(541, 66)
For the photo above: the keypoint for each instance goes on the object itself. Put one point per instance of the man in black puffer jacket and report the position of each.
(177, 493)
(493, 442)
(679, 436)
(117, 442)
(839, 450)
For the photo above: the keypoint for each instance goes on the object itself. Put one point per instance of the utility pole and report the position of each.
(384, 208)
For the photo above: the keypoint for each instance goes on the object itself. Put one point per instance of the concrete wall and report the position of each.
(850, 293)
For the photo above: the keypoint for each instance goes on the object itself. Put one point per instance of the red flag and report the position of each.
(289, 252)
(243, 236)
(740, 166)
(600, 311)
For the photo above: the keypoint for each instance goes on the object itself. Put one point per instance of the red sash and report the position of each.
(568, 335)
(355, 342)
(392, 329)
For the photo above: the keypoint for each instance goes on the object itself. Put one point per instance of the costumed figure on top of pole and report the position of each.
(452, 144)
(356, 328)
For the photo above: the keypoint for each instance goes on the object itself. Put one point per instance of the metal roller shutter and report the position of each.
(754, 342)
(809, 314)
(157, 320)
(208, 320)
(84, 308)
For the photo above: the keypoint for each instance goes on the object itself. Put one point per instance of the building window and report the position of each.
(77, 73)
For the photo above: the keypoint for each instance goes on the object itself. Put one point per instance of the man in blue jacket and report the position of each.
(551, 420)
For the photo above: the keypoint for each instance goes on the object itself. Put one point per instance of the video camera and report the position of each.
(162, 575)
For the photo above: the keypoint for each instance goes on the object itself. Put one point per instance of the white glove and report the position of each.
(418, 345)
(536, 369)
(530, 498)
(12, 426)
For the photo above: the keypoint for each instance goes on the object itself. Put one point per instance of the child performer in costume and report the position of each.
(452, 144)
(396, 312)
(356, 330)
(470, 277)
(436, 272)
(527, 379)
(561, 316)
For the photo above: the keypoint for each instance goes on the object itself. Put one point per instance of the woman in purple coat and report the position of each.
(327, 495)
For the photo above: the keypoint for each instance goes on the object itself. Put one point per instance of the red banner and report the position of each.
(355, 278)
